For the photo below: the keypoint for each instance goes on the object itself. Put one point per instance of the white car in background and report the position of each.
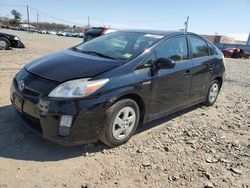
(61, 33)
(52, 32)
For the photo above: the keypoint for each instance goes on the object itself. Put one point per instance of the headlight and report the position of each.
(77, 88)
(16, 38)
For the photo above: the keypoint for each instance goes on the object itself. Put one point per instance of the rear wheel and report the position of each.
(212, 93)
(121, 122)
(4, 43)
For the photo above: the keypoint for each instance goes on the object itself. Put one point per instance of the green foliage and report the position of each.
(17, 18)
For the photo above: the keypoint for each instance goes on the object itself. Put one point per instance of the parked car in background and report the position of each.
(69, 34)
(43, 31)
(104, 88)
(8, 40)
(96, 32)
(61, 33)
(235, 53)
(79, 35)
(53, 32)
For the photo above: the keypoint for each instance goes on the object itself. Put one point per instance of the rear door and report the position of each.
(170, 87)
(203, 65)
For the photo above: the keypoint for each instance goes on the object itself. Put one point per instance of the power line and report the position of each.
(41, 12)
(142, 21)
(8, 5)
(157, 20)
(74, 23)
(63, 20)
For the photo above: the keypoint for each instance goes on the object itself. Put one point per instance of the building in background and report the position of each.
(219, 39)
(223, 42)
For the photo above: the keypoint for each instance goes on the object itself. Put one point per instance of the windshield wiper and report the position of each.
(98, 54)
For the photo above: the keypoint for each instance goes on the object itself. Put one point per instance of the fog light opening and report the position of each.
(65, 124)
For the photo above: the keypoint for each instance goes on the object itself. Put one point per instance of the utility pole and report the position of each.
(88, 22)
(37, 20)
(248, 40)
(186, 24)
(28, 16)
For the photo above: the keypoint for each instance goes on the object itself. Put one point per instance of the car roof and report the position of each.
(158, 32)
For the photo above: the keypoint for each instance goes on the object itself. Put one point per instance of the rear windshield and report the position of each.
(119, 45)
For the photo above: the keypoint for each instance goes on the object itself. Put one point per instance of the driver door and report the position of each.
(171, 87)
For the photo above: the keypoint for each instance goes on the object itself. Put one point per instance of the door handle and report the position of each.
(211, 66)
(187, 73)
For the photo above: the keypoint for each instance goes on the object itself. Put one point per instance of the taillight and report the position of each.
(104, 31)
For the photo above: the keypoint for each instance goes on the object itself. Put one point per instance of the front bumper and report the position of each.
(17, 44)
(42, 114)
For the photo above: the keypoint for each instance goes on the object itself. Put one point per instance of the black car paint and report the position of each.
(61, 70)
(160, 91)
(13, 43)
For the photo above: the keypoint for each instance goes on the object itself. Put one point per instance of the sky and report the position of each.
(227, 17)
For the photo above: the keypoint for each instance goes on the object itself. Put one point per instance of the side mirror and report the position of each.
(165, 63)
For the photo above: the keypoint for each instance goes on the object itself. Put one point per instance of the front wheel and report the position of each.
(4, 43)
(122, 119)
(212, 93)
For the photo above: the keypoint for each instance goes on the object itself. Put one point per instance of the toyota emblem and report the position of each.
(21, 85)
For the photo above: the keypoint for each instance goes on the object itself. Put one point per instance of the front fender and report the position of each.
(119, 93)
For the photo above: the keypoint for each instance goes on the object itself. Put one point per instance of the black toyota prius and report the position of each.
(104, 88)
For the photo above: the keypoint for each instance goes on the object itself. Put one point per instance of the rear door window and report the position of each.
(199, 47)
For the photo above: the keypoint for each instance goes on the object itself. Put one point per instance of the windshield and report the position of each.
(119, 45)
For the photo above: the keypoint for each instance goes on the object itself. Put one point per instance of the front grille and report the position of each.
(30, 92)
(26, 90)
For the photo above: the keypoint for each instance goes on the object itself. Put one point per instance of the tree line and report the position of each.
(17, 17)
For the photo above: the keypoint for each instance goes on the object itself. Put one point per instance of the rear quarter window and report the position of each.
(211, 49)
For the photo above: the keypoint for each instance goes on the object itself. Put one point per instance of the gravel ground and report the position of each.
(198, 147)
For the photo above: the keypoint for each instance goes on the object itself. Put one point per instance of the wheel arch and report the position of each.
(5, 38)
(220, 80)
(2, 37)
(137, 98)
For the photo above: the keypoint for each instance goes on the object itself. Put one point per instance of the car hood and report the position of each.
(7, 35)
(68, 65)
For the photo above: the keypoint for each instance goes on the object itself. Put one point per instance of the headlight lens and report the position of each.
(16, 38)
(77, 88)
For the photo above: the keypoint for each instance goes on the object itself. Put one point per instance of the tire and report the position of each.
(116, 114)
(213, 92)
(4, 43)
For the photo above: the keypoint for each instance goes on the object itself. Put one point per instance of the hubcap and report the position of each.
(2, 44)
(214, 90)
(124, 123)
